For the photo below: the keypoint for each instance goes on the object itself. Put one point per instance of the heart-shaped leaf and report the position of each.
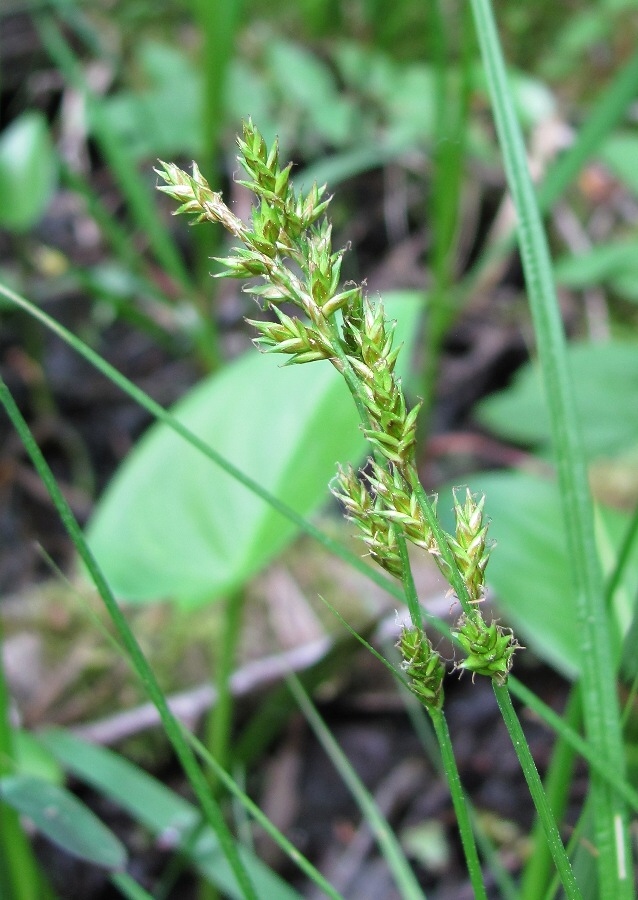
(173, 526)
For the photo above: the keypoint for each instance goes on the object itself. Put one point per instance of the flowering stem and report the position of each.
(439, 723)
(535, 785)
(452, 570)
(409, 588)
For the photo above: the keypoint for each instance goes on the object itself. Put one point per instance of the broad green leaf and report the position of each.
(306, 85)
(172, 526)
(163, 812)
(28, 171)
(163, 119)
(606, 387)
(64, 820)
(528, 570)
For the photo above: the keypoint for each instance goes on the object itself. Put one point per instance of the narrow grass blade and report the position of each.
(19, 874)
(255, 812)
(557, 784)
(448, 160)
(163, 812)
(602, 119)
(615, 780)
(129, 888)
(137, 659)
(602, 719)
(388, 843)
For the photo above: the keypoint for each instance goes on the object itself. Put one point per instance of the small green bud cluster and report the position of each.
(288, 244)
(422, 664)
(490, 648)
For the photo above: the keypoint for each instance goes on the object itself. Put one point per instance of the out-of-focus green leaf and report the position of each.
(614, 264)
(171, 526)
(304, 81)
(528, 570)
(619, 153)
(163, 812)
(64, 820)
(28, 171)
(164, 118)
(31, 758)
(598, 265)
(606, 388)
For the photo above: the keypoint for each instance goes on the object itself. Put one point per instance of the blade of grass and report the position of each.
(602, 119)
(387, 840)
(536, 874)
(615, 780)
(601, 713)
(162, 811)
(271, 830)
(138, 661)
(218, 21)
(439, 723)
(219, 723)
(128, 887)
(20, 877)
(557, 783)
(600, 122)
(448, 160)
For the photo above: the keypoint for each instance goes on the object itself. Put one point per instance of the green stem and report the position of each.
(557, 783)
(409, 588)
(537, 793)
(219, 722)
(600, 702)
(388, 843)
(20, 877)
(262, 820)
(460, 805)
(452, 573)
(219, 726)
(172, 729)
(349, 374)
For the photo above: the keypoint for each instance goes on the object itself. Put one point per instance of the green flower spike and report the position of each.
(377, 533)
(470, 546)
(490, 648)
(422, 664)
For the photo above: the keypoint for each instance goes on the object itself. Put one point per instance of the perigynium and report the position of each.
(288, 246)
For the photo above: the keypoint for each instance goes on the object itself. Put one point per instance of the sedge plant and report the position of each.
(288, 246)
